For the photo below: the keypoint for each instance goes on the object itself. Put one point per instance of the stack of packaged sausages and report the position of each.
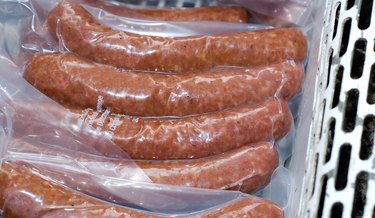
(190, 112)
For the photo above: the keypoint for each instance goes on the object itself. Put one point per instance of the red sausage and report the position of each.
(24, 193)
(75, 81)
(194, 136)
(248, 169)
(82, 34)
(160, 138)
(214, 13)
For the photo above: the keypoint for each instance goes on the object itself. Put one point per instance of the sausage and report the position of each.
(247, 207)
(75, 81)
(214, 13)
(247, 169)
(193, 136)
(24, 193)
(82, 34)
(160, 138)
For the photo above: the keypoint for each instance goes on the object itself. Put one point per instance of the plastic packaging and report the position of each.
(197, 135)
(80, 33)
(273, 12)
(149, 27)
(260, 160)
(41, 131)
(96, 142)
(86, 171)
(35, 195)
(279, 12)
(75, 81)
(218, 13)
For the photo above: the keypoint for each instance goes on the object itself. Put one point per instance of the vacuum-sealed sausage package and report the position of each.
(26, 192)
(113, 111)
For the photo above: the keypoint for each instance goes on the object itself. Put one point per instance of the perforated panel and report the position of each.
(343, 134)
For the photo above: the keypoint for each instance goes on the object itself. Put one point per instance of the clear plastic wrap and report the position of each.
(43, 121)
(279, 12)
(73, 80)
(46, 147)
(36, 195)
(79, 32)
(273, 12)
(230, 123)
(214, 13)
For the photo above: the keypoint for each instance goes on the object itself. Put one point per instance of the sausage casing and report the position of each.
(24, 193)
(75, 81)
(82, 34)
(193, 136)
(247, 169)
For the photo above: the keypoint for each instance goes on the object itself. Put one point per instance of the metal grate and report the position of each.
(344, 185)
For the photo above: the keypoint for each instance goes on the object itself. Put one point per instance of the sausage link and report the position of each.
(194, 136)
(247, 169)
(247, 207)
(159, 138)
(215, 13)
(75, 81)
(24, 193)
(82, 34)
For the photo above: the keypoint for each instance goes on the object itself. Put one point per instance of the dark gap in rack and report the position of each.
(188, 5)
(360, 191)
(330, 138)
(349, 4)
(322, 119)
(365, 14)
(350, 114)
(329, 66)
(171, 3)
(133, 2)
(315, 172)
(345, 36)
(358, 59)
(343, 167)
(336, 20)
(371, 86)
(153, 3)
(322, 196)
(338, 81)
(336, 210)
(367, 140)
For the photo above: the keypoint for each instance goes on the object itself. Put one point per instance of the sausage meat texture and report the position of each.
(193, 136)
(75, 81)
(82, 34)
(24, 193)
